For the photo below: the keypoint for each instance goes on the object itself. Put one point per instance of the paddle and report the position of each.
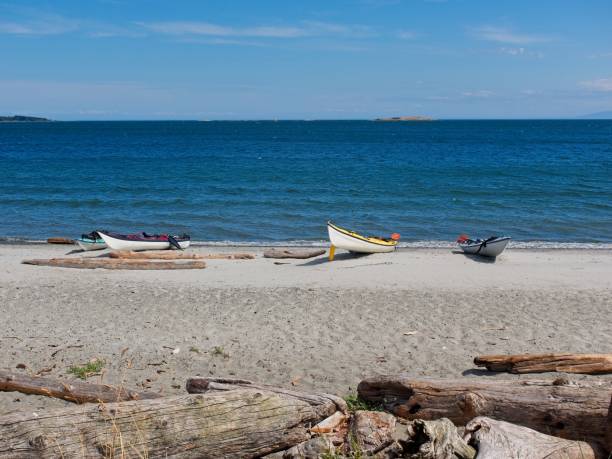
(174, 243)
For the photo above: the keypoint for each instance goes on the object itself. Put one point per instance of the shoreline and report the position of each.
(402, 246)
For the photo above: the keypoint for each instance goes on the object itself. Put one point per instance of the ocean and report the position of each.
(545, 182)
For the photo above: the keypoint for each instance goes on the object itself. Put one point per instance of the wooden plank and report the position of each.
(240, 423)
(106, 263)
(72, 391)
(572, 411)
(541, 363)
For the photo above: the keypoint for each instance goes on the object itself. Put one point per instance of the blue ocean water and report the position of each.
(281, 181)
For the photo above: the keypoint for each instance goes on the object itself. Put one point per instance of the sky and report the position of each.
(329, 59)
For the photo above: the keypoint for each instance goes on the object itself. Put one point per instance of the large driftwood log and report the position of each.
(105, 263)
(541, 363)
(437, 439)
(496, 439)
(576, 412)
(293, 253)
(199, 385)
(240, 423)
(609, 433)
(72, 391)
(154, 255)
(59, 240)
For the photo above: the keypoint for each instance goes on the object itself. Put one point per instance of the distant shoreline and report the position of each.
(23, 119)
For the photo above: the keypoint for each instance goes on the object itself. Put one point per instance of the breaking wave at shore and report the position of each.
(322, 243)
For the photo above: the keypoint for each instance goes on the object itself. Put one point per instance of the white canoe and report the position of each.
(137, 242)
(349, 240)
(491, 247)
(90, 244)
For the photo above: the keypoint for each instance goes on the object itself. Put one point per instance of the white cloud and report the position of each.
(482, 93)
(43, 25)
(602, 84)
(406, 34)
(306, 28)
(505, 35)
(521, 52)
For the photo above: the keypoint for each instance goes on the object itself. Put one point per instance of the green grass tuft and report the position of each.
(355, 403)
(90, 368)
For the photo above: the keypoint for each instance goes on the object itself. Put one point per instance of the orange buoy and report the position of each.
(395, 236)
(462, 237)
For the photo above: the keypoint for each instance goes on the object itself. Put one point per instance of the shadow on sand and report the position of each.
(476, 258)
(339, 257)
(479, 372)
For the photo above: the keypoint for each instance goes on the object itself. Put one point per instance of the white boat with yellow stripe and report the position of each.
(343, 238)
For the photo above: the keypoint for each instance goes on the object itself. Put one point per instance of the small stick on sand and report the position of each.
(72, 391)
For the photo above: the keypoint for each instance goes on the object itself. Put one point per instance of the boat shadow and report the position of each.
(73, 251)
(476, 258)
(339, 257)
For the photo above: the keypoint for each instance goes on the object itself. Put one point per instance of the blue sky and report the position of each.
(154, 59)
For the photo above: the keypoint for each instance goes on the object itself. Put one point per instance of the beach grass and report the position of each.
(91, 368)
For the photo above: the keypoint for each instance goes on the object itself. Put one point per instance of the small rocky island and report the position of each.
(22, 119)
(405, 118)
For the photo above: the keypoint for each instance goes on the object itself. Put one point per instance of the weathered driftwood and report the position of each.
(199, 385)
(576, 412)
(154, 255)
(72, 391)
(106, 263)
(229, 256)
(609, 433)
(59, 240)
(437, 439)
(293, 253)
(315, 448)
(240, 423)
(496, 439)
(371, 431)
(541, 363)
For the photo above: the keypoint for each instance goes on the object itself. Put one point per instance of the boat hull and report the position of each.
(91, 245)
(491, 249)
(341, 240)
(117, 243)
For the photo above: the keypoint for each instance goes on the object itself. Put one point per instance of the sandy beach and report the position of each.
(306, 323)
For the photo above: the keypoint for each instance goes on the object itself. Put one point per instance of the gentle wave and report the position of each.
(406, 245)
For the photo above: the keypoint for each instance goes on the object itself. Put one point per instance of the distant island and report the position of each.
(405, 118)
(22, 119)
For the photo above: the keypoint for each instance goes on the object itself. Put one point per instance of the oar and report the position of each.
(174, 243)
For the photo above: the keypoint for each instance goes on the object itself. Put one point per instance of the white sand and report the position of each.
(321, 325)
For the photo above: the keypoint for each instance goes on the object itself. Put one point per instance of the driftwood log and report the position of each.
(106, 263)
(59, 240)
(72, 391)
(576, 412)
(205, 385)
(154, 255)
(240, 423)
(498, 439)
(172, 255)
(293, 253)
(540, 363)
(437, 439)
(609, 433)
